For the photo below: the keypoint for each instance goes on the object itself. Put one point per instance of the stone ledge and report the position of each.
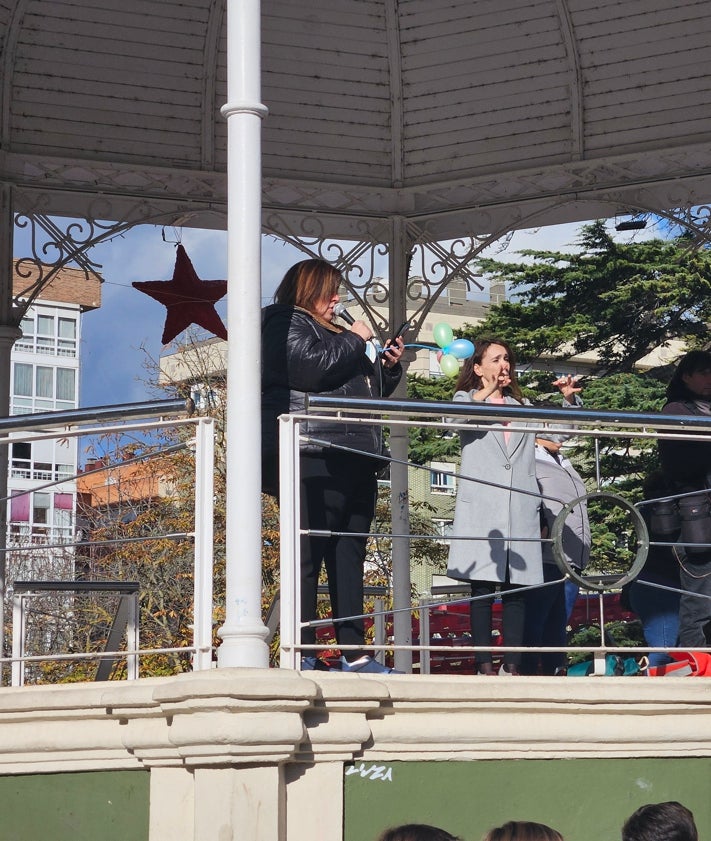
(242, 716)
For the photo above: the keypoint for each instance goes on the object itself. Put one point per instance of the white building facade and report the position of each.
(45, 378)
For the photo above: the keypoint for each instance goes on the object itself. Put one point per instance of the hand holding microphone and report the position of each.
(360, 328)
(392, 352)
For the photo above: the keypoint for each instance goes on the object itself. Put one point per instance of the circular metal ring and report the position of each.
(601, 582)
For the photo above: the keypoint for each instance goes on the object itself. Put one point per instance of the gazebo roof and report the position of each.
(459, 116)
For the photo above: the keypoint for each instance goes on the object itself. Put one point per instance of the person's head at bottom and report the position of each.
(523, 831)
(416, 832)
(668, 821)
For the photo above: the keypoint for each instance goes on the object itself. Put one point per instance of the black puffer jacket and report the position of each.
(685, 463)
(301, 356)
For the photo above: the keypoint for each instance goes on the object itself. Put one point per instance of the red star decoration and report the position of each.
(188, 299)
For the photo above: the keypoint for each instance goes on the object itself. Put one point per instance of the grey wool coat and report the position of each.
(496, 513)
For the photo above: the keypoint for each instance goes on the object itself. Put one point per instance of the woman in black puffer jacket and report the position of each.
(303, 352)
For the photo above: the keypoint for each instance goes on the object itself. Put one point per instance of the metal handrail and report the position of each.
(145, 416)
(454, 416)
(392, 408)
(97, 414)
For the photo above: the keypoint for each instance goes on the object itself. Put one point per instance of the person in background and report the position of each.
(523, 831)
(687, 467)
(416, 832)
(546, 614)
(304, 352)
(497, 505)
(668, 821)
(658, 609)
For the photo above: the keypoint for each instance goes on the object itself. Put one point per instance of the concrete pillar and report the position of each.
(172, 804)
(233, 804)
(314, 801)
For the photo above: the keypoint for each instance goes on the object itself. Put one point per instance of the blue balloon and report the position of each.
(461, 348)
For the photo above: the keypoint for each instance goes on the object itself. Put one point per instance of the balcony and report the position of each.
(404, 630)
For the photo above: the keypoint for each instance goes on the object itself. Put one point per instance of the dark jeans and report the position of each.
(695, 602)
(545, 624)
(658, 611)
(513, 613)
(338, 493)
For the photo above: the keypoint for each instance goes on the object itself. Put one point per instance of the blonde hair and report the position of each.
(523, 831)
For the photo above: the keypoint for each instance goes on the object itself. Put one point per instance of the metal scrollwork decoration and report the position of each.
(55, 242)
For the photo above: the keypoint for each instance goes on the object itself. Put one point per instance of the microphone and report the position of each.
(341, 311)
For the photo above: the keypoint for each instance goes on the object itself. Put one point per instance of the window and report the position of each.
(48, 335)
(44, 386)
(22, 451)
(20, 507)
(67, 336)
(27, 340)
(443, 528)
(22, 381)
(51, 388)
(21, 460)
(45, 325)
(65, 384)
(63, 510)
(42, 470)
(441, 480)
(40, 507)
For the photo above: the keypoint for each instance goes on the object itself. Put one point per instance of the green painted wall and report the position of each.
(91, 806)
(584, 799)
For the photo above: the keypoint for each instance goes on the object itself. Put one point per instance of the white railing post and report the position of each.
(133, 640)
(18, 639)
(289, 542)
(204, 519)
(425, 653)
(379, 629)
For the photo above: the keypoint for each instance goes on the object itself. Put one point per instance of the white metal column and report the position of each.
(400, 503)
(243, 633)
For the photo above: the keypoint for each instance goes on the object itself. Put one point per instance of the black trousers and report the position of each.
(695, 602)
(513, 608)
(338, 493)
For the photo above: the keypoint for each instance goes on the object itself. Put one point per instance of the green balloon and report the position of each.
(443, 334)
(449, 365)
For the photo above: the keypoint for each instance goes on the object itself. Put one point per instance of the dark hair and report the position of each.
(468, 378)
(523, 831)
(691, 363)
(307, 283)
(669, 821)
(416, 832)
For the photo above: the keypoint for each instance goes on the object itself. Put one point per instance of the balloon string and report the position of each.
(426, 347)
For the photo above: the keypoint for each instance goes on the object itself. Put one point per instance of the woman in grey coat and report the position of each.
(497, 505)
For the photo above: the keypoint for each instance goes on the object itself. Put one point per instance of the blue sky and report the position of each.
(119, 338)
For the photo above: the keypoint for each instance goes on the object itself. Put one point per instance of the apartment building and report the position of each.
(45, 373)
